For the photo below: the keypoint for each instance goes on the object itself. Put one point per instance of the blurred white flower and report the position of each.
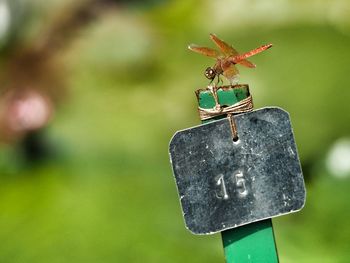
(338, 159)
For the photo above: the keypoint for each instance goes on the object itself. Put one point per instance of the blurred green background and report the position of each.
(107, 194)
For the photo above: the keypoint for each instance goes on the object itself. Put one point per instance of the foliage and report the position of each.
(108, 194)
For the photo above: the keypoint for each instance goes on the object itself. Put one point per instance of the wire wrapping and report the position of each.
(242, 106)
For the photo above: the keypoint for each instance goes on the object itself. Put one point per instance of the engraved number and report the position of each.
(240, 183)
(220, 182)
(237, 179)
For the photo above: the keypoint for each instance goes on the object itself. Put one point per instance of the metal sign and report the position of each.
(224, 184)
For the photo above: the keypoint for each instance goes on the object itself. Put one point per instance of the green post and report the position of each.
(254, 242)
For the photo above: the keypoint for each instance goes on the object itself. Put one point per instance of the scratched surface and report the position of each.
(224, 184)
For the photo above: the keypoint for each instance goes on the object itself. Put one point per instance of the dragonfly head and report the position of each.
(210, 73)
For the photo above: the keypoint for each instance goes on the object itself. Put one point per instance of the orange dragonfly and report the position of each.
(226, 59)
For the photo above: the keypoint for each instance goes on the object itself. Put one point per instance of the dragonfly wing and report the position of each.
(209, 52)
(231, 73)
(247, 63)
(223, 46)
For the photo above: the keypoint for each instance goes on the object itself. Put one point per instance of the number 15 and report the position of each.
(237, 179)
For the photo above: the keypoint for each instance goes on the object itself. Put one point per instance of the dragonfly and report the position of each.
(226, 59)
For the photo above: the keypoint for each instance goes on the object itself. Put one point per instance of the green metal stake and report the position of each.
(254, 242)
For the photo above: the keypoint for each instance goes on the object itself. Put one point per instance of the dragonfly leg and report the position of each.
(219, 80)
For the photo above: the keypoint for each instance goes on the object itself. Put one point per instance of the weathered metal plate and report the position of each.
(224, 184)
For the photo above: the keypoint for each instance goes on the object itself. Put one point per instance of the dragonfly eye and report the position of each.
(210, 73)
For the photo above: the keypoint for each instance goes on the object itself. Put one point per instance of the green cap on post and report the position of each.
(226, 96)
